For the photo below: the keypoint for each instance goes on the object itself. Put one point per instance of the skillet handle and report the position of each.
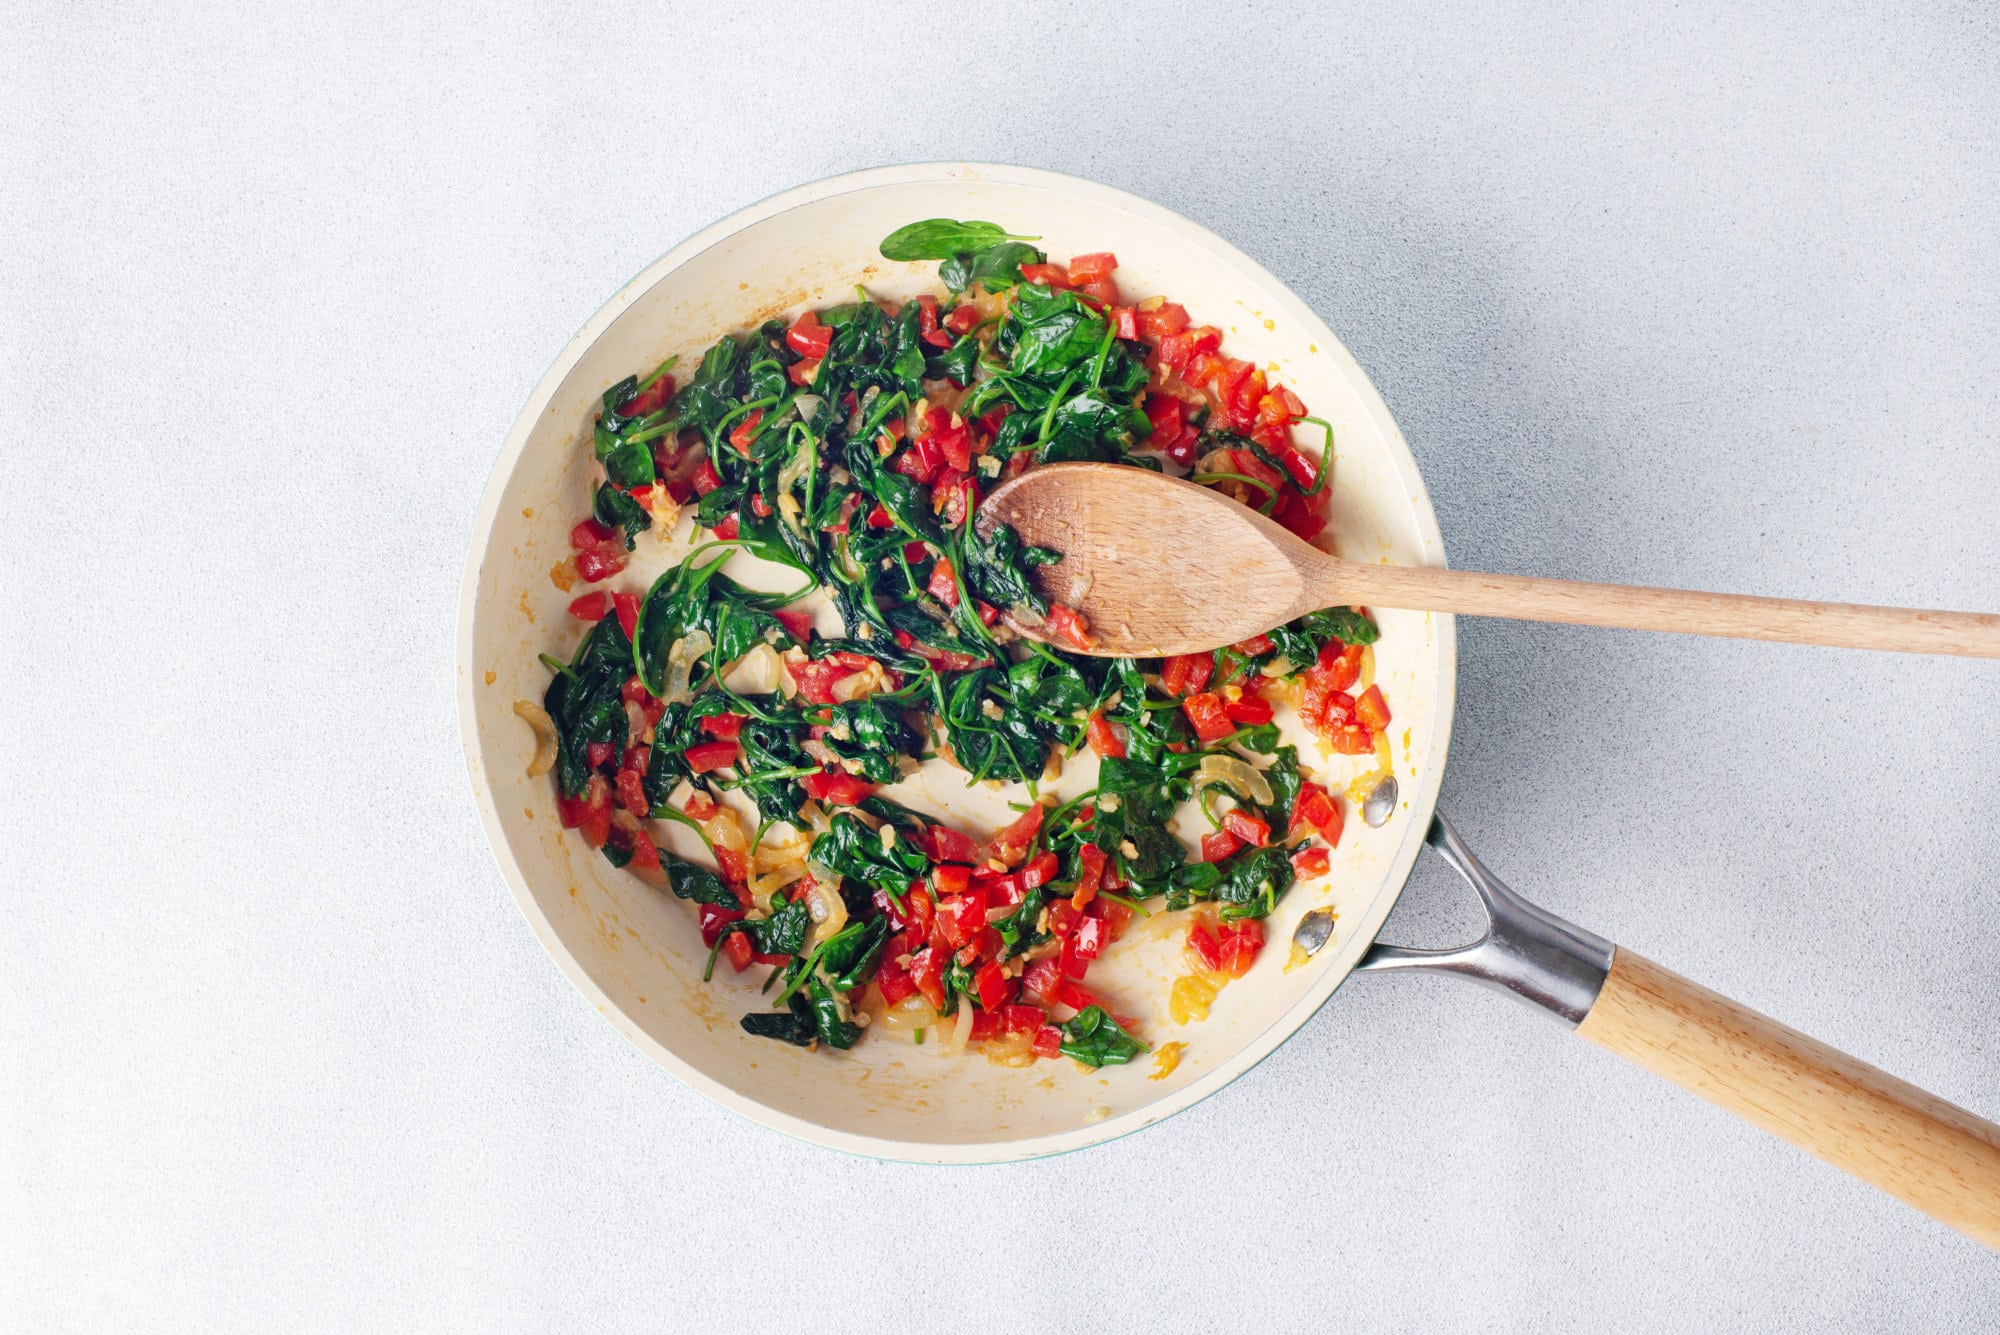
(1920, 1149)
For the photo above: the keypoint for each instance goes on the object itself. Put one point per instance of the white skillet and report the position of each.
(635, 954)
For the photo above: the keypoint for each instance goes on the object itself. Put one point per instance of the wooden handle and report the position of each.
(1915, 1146)
(1634, 607)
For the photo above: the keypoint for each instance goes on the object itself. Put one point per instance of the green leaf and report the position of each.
(1095, 1039)
(614, 509)
(795, 1026)
(692, 881)
(941, 238)
(784, 932)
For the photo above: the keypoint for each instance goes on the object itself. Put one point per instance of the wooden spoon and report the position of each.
(1162, 566)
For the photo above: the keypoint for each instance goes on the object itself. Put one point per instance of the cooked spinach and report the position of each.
(1095, 1039)
(835, 446)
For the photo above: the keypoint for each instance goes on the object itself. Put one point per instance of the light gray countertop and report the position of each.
(1707, 298)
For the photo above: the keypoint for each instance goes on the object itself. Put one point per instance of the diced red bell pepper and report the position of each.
(1090, 875)
(699, 805)
(1203, 945)
(599, 563)
(591, 606)
(1252, 830)
(1371, 711)
(1219, 845)
(802, 373)
(895, 981)
(734, 866)
(1105, 736)
(1040, 870)
(943, 586)
(728, 727)
(1210, 719)
(927, 972)
(648, 400)
(1040, 979)
(949, 845)
(1115, 916)
(627, 606)
(1048, 1041)
(816, 680)
(712, 918)
(1090, 938)
(837, 788)
(808, 337)
(1011, 844)
(1184, 674)
(1322, 707)
(962, 319)
(1250, 709)
(1070, 626)
(1089, 268)
(1063, 918)
(1047, 275)
(741, 950)
(1124, 322)
(712, 756)
(599, 754)
(726, 527)
(1016, 1018)
(992, 985)
(589, 533)
(705, 479)
(746, 430)
(985, 1024)
(962, 917)
(880, 518)
(1079, 998)
(1167, 318)
(950, 878)
(1340, 664)
(1237, 947)
(1351, 740)
(1316, 811)
(798, 623)
(631, 789)
(1311, 861)
(594, 823)
(1074, 964)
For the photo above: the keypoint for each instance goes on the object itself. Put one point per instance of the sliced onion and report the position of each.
(1014, 1048)
(546, 740)
(762, 888)
(1239, 776)
(828, 909)
(960, 1032)
(723, 831)
(756, 673)
(911, 1013)
(687, 651)
(808, 405)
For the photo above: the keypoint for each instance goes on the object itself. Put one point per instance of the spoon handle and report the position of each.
(1635, 607)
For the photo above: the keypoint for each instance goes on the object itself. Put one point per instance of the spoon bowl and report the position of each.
(1158, 565)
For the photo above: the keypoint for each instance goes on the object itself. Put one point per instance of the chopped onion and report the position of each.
(687, 651)
(546, 740)
(1237, 775)
(1015, 1048)
(756, 673)
(808, 406)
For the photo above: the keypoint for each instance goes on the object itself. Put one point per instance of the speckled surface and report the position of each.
(1707, 301)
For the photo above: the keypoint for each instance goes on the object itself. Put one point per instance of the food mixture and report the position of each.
(852, 445)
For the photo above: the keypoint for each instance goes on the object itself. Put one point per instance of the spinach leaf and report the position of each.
(996, 566)
(784, 932)
(849, 958)
(615, 509)
(941, 238)
(1095, 1039)
(1002, 742)
(829, 1022)
(1253, 882)
(584, 703)
(1051, 331)
(1145, 797)
(1283, 776)
(1301, 640)
(857, 853)
(691, 880)
(796, 1026)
